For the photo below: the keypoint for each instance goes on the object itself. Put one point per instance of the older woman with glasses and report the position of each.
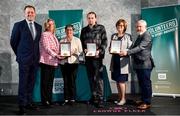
(69, 65)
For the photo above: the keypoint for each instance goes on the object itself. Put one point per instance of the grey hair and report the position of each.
(143, 22)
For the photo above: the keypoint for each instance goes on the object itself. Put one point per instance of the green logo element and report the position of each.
(60, 31)
(163, 28)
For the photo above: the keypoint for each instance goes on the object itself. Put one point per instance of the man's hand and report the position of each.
(123, 53)
(97, 54)
(85, 51)
(109, 49)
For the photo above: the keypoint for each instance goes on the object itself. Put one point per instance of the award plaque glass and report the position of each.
(91, 49)
(115, 47)
(65, 49)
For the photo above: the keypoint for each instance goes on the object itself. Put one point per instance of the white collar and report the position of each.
(29, 21)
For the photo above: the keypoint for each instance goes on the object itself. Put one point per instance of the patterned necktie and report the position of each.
(31, 29)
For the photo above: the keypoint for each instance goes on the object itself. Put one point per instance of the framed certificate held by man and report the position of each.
(115, 47)
(91, 49)
(65, 49)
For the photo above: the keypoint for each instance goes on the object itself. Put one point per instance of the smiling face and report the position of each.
(120, 28)
(30, 14)
(51, 26)
(69, 32)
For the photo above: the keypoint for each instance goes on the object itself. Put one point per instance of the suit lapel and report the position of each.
(27, 28)
(37, 30)
(138, 40)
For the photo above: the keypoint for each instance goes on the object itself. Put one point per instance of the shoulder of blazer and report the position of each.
(114, 36)
(38, 25)
(76, 38)
(127, 35)
(45, 33)
(146, 33)
(21, 23)
(21, 26)
(63, 39)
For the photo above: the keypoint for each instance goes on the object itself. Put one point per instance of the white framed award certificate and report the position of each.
(115, 47)
(65, 49)
(91, 49)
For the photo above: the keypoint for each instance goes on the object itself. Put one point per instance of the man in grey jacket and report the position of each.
(142, 62)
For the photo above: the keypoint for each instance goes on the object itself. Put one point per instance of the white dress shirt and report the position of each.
(33, 26)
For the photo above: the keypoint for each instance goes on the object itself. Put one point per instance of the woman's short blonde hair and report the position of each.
(47, 26)
(124, 23)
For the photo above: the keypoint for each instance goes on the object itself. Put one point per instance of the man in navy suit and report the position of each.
(25, 44)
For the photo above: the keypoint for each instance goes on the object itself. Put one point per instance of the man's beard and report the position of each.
(140, 33)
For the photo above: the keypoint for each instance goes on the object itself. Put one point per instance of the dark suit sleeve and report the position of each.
(15, 37)
(145, 42)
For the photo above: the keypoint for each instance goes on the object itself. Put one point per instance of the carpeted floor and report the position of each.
(160, 106)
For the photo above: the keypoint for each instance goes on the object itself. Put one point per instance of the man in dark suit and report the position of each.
(142, 62)
(25, 44)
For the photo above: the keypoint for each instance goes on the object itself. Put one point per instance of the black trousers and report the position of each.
(47, 77)
(69, 72)
(94, 70)
(26, 83)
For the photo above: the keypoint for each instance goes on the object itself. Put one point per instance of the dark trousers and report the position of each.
(26, 83)
(47, 77)
(94, 70)
(69, 72)
(143, 76)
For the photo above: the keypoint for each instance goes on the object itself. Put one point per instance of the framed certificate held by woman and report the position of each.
(115, 47)
(65, 49)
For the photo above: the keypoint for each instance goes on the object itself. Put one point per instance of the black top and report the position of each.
(116, 59)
